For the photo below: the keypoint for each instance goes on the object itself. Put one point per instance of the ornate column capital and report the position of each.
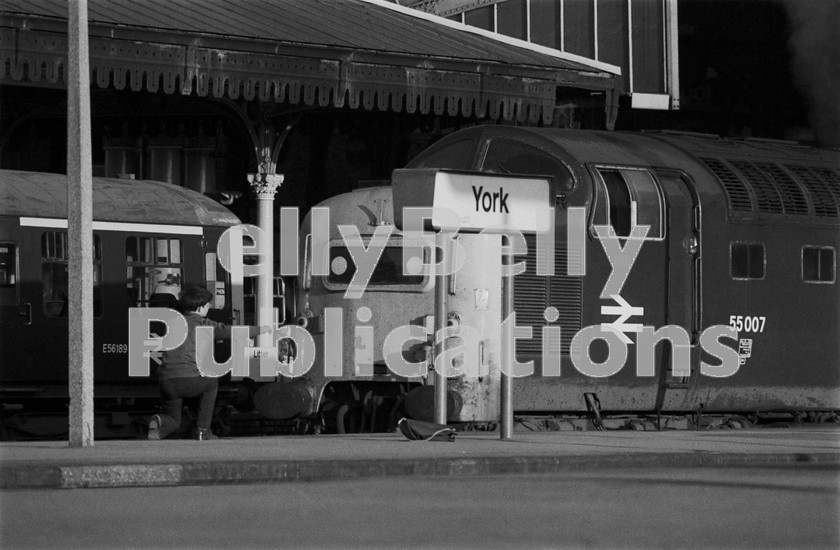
(265, 185)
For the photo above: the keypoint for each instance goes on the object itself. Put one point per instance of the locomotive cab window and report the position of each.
(510, 157)
(8, 274)
(456, 156)
(153, 267)
(818, 264)
(54, 269)
(629, 198)
(746, 261)
(387, 275)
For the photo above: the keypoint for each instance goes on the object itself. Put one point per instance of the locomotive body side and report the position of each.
(721, 201)
(768, 254)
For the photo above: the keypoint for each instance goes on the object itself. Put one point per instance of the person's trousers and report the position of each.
(173, 391)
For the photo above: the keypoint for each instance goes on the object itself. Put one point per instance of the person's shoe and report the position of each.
(205, 435)
(154, 427)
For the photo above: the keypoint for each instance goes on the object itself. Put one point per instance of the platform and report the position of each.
(134, 463)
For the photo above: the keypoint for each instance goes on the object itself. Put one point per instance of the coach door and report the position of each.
(683, 288)
(12, 313)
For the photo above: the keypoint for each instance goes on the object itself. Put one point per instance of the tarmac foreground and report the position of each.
(140, 463)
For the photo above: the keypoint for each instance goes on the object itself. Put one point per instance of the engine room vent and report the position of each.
(832, 179)
(793, 198)
(824, 187)
(736, 191)
(533, 293)
(766, 194)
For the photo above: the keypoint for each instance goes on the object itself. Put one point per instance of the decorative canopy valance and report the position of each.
(356, 53)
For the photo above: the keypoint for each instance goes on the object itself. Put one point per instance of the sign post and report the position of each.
(440, 324)
(508, 349)
(474, 202)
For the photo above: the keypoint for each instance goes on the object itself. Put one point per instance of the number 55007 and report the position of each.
(747, 323)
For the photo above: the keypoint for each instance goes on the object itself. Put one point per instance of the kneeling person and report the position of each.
(179, 376)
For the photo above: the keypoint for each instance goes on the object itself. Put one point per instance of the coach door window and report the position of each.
(8, 274)
(216, 280)
(629, 198)
(746, 261)
(153, 267)
(818, 264)
(54, 273)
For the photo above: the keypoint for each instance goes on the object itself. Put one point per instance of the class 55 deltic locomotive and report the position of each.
(740, 240)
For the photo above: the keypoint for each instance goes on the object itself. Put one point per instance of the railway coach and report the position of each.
(150, 239)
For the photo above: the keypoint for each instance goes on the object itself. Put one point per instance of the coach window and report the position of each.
(818, 264)
(510, 157)
(746, 260)
(153, 266)
(8, 274)
(630, 198)
(54, 273)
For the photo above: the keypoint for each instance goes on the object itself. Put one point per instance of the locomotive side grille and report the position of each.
(533, 293)
(530, 297)
(736, 191)
(566, 297)
(767, 195)
(792, 196)
(530, 293)
(826, 201)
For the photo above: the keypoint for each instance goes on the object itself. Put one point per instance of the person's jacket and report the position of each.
(181, 361)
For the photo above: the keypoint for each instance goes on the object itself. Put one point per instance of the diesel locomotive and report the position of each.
(739, 233)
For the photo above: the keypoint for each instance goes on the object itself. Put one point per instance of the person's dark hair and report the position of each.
(194, 297)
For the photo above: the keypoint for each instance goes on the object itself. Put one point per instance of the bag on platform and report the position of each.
(426, 431)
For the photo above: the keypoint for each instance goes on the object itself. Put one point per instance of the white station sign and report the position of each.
(479, 201)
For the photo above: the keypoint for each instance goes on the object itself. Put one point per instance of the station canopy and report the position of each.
(366, 54)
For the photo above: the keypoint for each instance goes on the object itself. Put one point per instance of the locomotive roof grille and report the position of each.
(793, 196)
(767, 195)
(832, 179)
(775, 190)
(736, 189)
(823, 187)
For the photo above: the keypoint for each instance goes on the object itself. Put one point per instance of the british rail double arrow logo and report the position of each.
(624, 311)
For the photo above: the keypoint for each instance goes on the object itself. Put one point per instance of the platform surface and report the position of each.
(127, 463)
